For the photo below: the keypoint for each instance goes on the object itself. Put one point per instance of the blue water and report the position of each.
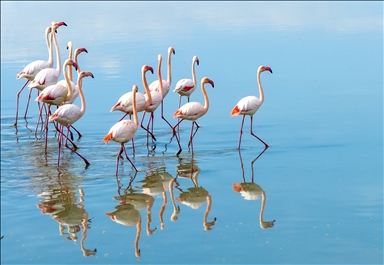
(321, 179)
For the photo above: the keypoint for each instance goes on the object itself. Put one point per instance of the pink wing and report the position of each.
(190, 111)
(248, 105)
(123, 131)
(44, 78)
(53, 95)
(66, 114)
(185, 87)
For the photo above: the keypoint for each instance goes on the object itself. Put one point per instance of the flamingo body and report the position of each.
(53, 95)
(185, 87)
(124, 103)
(157, 98)
(154, 86)
(122, 131)
(246, 106)
(190, 111)
(66, 115)
(30, 71)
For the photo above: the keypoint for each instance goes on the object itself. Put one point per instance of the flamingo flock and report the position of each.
(44, 78)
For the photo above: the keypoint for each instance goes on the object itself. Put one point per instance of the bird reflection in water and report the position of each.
(195, 196)
(156, 183)
(127, 212)
(252, 191)
(60, 203)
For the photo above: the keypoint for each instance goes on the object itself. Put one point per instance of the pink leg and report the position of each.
(17, 101)
(241, 131)
(118, 159)
(29, 99)
(255, 134)
(126, 155)
(162, 114)
(177, 138)
(191, 137)
(141, 125)
(84, 159)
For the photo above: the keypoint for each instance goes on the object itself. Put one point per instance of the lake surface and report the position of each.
(320, 180)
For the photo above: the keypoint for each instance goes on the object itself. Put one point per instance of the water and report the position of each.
(320, 179)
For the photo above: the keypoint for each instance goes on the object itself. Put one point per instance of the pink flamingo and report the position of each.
(29, 72)
(186, 86)
(156, 99)
(143, 101)
(49, 76)
(75, 90)
(56, 94)
(192, 111)
(250, 104)
(68, 114)
(123, 131)
(155, 85)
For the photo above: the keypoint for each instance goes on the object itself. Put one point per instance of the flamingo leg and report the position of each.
(191, 137)
(141, 125)
(73, 150)
(162, 115)
(26, 108)
(126, 155)
(59, 147)
(241, 131)
(38, 120)
(197, 128)
(46, 130)
(177, 138)
(118, 158)
(124, 116)
(266, 145)
(78, 133)
(17, 102)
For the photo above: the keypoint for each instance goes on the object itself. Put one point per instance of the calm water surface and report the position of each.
(320, 182)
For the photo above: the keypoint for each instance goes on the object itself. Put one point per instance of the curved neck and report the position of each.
(57, 51)
(206, 100)
(69, 86)
(134, 110)
(260, 87)
(49, 45)
(169, 75)
(193, 72)
(80, 85)
(146, 87)
(70, 48)
(75, 60)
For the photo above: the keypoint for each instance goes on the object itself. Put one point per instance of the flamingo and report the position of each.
(68, 114)
(192, 111)
(250, 104)
(49, 76)
(75, 90)
(155, 85)
(186, 86)
(56, 94)
(123, 131)
(156, 98)
(29, 72)
(125, 103)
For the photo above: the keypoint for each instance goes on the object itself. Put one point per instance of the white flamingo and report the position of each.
(250, 104)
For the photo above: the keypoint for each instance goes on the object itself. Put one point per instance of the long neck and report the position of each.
(57, 51)
(49, 45)
(70, 48)
(260, 87)
(80, 85)
(193, 72)
(206, 100)
(169, 75)
(69, 94)
(159, 76)
(135, 119)
(146, 87)
(75, 60)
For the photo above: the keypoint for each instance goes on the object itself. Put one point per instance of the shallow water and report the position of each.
(321, 179)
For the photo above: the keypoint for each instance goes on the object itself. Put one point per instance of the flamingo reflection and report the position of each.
(127, 212)
(252, 191)
(60, 203)
(195, 196)
(156, 183)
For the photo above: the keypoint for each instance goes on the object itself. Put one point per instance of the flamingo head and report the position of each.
(75, 65)
(147, 68)
(55, 25)
(171, 50)
(69, 44)
(265, 68)
(196, 60)
(84, 74)
(49, 29)
(80, 50)
(207, 80)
